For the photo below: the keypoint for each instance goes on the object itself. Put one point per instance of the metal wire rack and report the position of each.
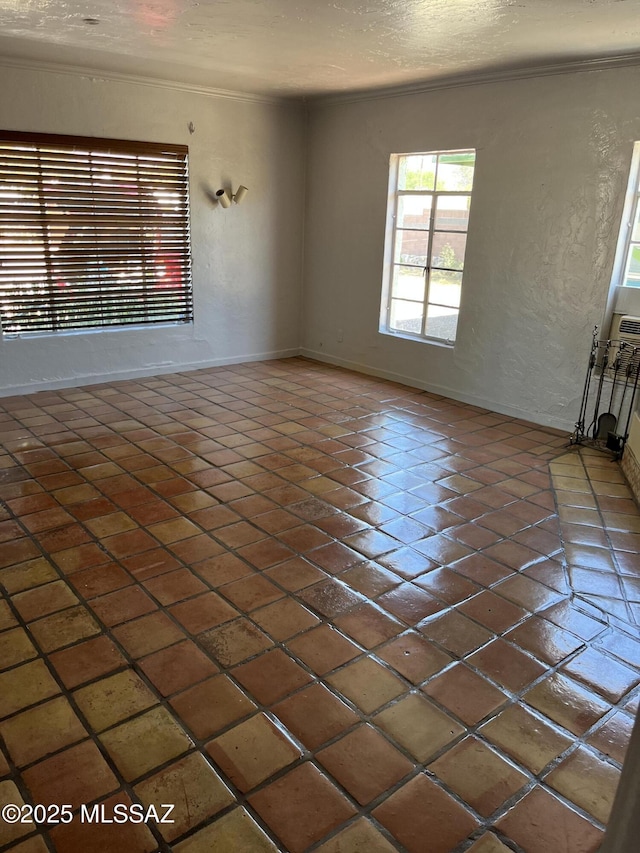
(609, 395)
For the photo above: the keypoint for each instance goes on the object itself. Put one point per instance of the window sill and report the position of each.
(437, 342)
(627, 301)
(98, 330)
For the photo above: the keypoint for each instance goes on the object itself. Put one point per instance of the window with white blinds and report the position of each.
(93, 233)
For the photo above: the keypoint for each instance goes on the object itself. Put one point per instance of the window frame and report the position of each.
(630, 210)
(391, 237)
(128, 264)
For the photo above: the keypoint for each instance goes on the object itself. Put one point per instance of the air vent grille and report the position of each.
(630, 326)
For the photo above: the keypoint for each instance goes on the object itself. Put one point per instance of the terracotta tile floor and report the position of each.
(314, 611)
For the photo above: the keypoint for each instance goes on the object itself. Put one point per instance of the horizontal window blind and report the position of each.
(93, 233)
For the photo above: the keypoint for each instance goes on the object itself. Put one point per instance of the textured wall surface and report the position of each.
(246, 260)
(553, 156)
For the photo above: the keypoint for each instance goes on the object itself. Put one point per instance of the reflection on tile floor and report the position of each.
(313, 610)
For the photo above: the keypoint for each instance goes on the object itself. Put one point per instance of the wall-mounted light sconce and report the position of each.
(224, 199)
(240, 194)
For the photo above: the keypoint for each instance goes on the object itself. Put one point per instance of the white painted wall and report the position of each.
(246, 260)
(553, 156)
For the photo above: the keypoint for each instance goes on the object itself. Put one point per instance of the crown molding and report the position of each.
(581, 66)
(139, 80)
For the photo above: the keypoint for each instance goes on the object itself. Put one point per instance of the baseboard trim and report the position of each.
(443, 391)
(358, 367)
(141, 372)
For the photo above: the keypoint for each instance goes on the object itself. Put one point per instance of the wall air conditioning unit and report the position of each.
(625, 328)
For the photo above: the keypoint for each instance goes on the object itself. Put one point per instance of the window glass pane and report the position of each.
(414, 211)
(417, 172)
(632, 276)
(411, 247)
(408, 283)
(448, 249)
(441, 323)
(445, 288)
(406, 316)
(455, 171)
(428, 219)
(636, 225)
(452, 212)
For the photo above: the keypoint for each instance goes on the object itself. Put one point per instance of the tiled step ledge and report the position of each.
(631, 469)
(600, 526)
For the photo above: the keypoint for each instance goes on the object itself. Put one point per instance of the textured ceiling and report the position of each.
(285, 47)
